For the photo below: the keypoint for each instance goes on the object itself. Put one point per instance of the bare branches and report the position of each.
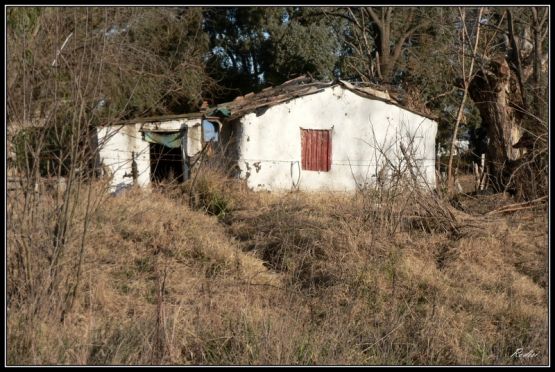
(60, 74)
(520, 206)
(538, 59)
(540, 22)
(466, 80)
(375, 18)
(514, 56)
(448, 92)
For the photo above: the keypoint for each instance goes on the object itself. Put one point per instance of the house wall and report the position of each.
(118, 142)
(364, 133)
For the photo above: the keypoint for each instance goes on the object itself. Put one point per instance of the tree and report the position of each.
(303, 42)
(157, 61)
(152, 58)
(378, 36)
(255, 47)
(238, 38)
(500, 90)
(466, 77)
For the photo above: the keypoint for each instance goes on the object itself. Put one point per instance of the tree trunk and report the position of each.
(498, 91)
(537, 28)
(492, 89)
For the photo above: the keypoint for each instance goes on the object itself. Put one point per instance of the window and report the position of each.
(210, 131)
(316, 149)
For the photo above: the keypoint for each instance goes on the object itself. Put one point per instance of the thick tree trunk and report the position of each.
(492, 89)
(498, 92)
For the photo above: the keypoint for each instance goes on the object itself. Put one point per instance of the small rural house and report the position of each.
(152, 149)
(302, 135)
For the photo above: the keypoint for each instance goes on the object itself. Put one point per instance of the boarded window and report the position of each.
(316, 149)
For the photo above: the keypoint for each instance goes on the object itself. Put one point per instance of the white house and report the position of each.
(144, 150)
(302, 135)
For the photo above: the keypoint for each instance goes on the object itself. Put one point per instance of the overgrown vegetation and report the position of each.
(288, 279)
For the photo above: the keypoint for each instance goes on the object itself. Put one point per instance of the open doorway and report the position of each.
(166, 164)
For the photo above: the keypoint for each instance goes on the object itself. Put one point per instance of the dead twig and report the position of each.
(519, 206)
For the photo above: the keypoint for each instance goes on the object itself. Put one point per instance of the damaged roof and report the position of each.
(165, 118)
(303, 86)
(295, 88)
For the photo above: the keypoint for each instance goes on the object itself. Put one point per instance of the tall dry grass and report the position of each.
(290, 278)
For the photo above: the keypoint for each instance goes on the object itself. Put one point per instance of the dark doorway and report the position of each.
(166, 164)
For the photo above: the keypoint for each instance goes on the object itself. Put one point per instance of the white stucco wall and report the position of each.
(363, 131)
(118, 142)
(116, 145)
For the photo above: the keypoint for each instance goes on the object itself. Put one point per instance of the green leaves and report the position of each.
(299, 48)
(255, 47)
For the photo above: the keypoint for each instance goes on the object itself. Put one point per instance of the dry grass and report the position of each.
(290, 279)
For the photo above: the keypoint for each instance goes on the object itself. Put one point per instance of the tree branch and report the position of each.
(375, 17)
(408, 33)
(388, 11)
(341, 15)
(515, 56)
(450, 178)
(408, 20)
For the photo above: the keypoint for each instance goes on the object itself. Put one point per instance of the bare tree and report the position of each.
(466, 78)
(379, 36)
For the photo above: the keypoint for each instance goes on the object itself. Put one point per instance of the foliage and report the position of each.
(163, 50)
(149, 60)
(305, 42)
(254, 47)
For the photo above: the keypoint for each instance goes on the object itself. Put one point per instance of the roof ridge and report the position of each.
(305, 85)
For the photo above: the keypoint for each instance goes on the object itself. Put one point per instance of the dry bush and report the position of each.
(211, 187)
(135, 241)
(530, 174)
(292, 278)
(416, 294)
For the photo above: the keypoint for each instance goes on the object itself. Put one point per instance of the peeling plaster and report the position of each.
(360, 127)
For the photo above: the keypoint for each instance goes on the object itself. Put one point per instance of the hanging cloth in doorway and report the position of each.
(171, 140)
